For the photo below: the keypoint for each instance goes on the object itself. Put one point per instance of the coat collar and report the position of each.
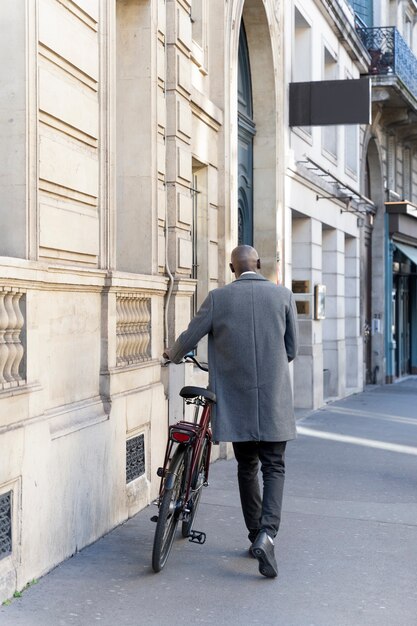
(250, 277)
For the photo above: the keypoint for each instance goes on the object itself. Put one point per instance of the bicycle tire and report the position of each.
(168, 516)
(197, 487)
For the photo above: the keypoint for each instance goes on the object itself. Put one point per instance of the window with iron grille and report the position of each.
(5, 524)
(135, 457)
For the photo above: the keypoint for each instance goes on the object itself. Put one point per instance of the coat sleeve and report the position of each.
(291, 332)
(199, 326)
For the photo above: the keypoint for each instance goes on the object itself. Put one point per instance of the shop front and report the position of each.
(401, 303)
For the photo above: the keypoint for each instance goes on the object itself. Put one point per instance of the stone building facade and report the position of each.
(389, 178)
(324, 209)
(141, 140)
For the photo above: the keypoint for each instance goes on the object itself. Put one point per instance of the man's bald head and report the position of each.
(244, 259)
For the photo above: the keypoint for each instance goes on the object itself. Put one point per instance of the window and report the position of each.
(329, 133)
(199, 234)
(197, 21)
(408, 31)
(407, 173)
(302, 49)
(302, 57)
(199, 31)
(201, 244)
(351, 149)
(364, 10)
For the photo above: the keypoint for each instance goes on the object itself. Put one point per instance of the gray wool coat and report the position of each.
(252, 336)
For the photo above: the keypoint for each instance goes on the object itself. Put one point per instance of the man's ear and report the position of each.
(258, 264)
(232, 269)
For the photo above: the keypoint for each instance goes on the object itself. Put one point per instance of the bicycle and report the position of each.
(184, 473)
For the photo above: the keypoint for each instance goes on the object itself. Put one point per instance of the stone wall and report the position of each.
(118, 214)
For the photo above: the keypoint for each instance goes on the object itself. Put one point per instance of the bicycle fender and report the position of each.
(169, 481)
(171, 475)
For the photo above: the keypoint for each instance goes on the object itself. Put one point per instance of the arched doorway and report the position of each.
(256, 189)
(372, 272)
(246, 133)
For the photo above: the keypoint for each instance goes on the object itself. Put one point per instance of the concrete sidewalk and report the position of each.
(346, 550)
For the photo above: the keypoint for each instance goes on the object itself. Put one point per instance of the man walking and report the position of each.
(252, 329)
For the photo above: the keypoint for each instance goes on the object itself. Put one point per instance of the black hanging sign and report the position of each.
(330, 102)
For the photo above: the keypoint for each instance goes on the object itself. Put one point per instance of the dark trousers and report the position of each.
(261, 513)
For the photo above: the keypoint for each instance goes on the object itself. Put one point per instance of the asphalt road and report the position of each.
(346, 550)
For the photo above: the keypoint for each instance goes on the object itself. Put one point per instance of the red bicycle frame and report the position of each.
(189, 434)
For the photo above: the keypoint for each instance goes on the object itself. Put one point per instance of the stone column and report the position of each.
(306, 266)
(137, 167)
(334, 348)
(179, 158)
(354, 347)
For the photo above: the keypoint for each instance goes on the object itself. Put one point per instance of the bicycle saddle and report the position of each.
(194, 392)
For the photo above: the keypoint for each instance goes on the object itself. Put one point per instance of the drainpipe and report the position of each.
(389, 339)
(171, 280)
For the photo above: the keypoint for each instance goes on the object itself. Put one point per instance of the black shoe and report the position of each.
(252, 536)
(263, 550)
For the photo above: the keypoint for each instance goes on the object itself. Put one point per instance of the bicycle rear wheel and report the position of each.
(197, 484)
(169, 511)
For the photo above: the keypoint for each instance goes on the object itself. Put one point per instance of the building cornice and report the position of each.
(36, 275)
(341, 18)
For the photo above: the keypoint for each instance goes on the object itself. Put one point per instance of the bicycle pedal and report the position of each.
(197, 536)
(160, 472)
(154, 518)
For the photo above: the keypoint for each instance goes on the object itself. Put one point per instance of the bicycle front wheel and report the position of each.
(169, 511)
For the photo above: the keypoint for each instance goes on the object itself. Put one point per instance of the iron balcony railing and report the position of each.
(390, 55)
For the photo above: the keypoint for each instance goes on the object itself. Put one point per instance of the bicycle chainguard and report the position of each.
(197, 536)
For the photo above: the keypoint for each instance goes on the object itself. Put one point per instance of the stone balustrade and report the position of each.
(11, 347)
(133, 329)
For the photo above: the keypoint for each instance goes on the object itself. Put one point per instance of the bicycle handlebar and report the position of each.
(190, 358)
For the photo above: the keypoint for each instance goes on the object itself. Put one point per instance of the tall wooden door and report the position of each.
(246, 133)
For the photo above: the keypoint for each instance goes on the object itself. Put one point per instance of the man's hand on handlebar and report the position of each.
(167, 354)
(188, 358)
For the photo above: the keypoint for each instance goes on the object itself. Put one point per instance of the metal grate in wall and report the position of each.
(5, 524)
(135, 457)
